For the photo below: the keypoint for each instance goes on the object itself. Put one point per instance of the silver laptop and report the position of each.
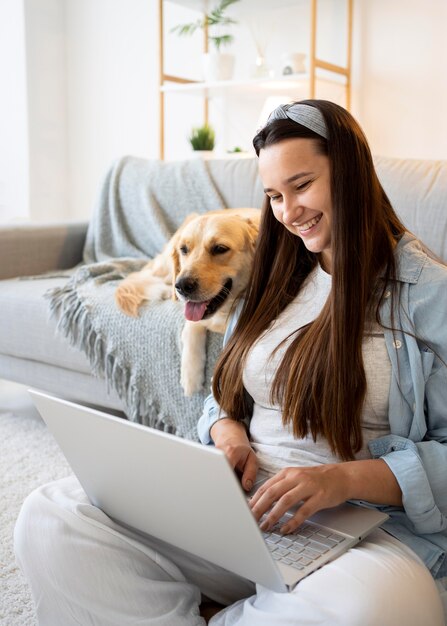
(187, 494)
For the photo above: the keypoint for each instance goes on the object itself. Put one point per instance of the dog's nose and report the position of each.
(186, 286)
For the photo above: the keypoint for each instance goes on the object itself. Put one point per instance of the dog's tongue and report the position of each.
(194, 311)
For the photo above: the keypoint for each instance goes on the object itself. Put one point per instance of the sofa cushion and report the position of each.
(66, 383)
(238, 181)
(26, 331)
(417, 190)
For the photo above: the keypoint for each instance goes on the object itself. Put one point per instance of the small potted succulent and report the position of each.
(238, 152)
(202, 139)
(216, 64)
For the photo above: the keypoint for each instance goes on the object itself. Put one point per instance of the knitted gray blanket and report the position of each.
(140, 205)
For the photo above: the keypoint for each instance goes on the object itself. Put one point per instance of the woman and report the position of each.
(333, 380)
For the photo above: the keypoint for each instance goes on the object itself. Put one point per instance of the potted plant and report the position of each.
(216, 64)
(202, 139)
(238, 152)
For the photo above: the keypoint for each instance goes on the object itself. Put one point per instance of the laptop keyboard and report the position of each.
(302, 547)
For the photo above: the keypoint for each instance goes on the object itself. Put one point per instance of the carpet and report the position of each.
(29, 457)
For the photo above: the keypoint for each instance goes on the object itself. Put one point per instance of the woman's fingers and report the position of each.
(262, 491)
(305, 511)
(249, 471)
(242, 458)
(277, 500)
(312, 489)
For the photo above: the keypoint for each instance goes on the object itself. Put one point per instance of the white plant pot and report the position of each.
(204, 154)
(217, 66)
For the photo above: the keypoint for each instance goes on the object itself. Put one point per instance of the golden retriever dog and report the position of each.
(206, 265)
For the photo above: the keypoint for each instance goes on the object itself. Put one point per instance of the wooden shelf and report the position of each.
(249, 84)
(284, 84)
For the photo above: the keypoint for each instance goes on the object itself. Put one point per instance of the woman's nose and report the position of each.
(291, 211)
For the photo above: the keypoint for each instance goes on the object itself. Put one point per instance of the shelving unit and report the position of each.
(333, 73)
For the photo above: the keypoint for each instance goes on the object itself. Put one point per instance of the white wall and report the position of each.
(47, 109)
(13, 113)
(400, 81)
(112, 90)
(79, 85)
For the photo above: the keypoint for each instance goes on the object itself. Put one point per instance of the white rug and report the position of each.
(29, 457)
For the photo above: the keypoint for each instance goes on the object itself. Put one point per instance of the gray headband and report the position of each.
(303, 114)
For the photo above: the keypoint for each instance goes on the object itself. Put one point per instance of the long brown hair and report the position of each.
(320, 383)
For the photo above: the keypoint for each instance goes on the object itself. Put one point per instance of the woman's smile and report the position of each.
(305, 228)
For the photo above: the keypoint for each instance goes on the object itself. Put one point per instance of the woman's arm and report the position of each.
(417, 455)
(322, 487)
(231, 437)
(211, 410)
(226, 434)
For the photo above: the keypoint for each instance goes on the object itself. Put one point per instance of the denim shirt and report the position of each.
(416, 449)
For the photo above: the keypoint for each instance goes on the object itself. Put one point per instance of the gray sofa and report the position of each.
(33, 353)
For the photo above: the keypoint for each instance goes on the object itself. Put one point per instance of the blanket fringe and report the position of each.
(74, 323)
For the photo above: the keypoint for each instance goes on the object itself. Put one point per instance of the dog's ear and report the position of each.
(252, 230)
(175, 269)
(175, 256)
(188, 218)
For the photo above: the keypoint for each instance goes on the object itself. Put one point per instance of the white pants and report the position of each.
(84, 569)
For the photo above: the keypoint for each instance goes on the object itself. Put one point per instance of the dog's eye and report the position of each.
(219, 249)
(184, 249)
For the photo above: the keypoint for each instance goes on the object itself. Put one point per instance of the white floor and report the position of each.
(29, 457)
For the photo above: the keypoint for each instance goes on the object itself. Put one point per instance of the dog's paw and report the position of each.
(157, 290)
(129, 298)
(191, 383)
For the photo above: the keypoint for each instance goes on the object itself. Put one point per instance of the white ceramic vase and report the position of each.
(206, 155)
(217, 66)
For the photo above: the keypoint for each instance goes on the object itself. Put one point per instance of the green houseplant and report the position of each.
(216, 65)
(202, 138)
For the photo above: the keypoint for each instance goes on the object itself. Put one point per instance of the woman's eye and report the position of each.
(219, 249)
(303, 186)
(184, 249)
(274, 198)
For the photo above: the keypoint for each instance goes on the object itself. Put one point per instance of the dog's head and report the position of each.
(212, 258)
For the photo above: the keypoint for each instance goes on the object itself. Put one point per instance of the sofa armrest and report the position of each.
(33, 249)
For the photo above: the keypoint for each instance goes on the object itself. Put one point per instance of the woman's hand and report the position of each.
(231, 437)
(322, 487)
(316, 488)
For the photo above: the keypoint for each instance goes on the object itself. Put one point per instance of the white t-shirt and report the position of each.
(274, 443)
